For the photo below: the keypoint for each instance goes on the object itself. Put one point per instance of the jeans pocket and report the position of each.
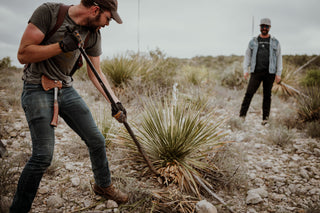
(32, 87)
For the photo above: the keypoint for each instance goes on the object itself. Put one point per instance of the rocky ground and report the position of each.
(280, 178)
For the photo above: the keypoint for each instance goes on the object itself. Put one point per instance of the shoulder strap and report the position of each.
(63, 9)
(86, 40)
(61, 15)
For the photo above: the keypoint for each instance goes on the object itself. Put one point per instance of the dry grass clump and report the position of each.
(280, 136)
(159, 71)
(230, 161)
(235, 123)
(232, 77)
(8, 175)
(289, 119)
(193, 75)
(10, 80)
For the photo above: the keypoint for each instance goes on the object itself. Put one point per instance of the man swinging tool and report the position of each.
(51, 58)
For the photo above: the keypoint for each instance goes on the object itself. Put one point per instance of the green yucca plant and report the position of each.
(120, 69)
(178, 139)
(309, 105)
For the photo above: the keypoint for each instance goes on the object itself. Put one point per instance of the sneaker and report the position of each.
(242, 118)
(264, 122)
(111, 193)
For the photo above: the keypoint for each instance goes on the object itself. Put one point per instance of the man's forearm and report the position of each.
(36, 53)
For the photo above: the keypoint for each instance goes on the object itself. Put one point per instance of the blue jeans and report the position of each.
(38, 107)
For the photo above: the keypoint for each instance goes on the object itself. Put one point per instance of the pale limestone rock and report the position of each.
(55, 201)
(111, 204)
(204, 206)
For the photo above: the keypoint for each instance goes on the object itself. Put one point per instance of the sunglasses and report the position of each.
(264, 26)
(108, 18)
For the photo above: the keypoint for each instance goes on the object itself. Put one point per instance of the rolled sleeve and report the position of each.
(246, 61)
(279, 61)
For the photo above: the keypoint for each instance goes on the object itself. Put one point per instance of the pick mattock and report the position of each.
(141, 150)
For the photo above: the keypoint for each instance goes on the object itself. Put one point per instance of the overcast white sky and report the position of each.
(185, 28)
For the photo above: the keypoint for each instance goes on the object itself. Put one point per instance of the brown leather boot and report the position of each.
(111, 193)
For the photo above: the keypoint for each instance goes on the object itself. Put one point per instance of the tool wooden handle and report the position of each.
(54, 121)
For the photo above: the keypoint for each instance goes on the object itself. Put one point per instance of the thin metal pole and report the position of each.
(138, 33)
(252, 33)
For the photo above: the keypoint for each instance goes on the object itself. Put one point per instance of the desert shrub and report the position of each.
(311, 78)
(178, 140)
(309, 104)
(11, 83)
(230, 161)
(195, 97)
(218, 63)
(235, 123)
(193, 75)
(8, 175)
(5, 63)
(289, 119)
(281, 136)
(232, 77)
(313, 129)
(297, 60)
(161, 70)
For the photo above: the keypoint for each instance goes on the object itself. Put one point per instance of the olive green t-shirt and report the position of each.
(59, 66)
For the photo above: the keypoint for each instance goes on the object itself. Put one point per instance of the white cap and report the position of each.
(265, 21)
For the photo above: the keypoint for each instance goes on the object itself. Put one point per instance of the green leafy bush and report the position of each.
(312, 78)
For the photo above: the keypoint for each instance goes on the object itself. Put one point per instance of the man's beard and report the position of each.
(264, 32)
(93, 27)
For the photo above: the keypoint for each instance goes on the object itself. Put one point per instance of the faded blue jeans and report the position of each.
(38, 107)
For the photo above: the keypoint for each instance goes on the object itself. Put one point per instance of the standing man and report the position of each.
(51, 59)
(263, 56)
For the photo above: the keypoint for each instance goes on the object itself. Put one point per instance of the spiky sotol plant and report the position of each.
(178, 140)
(309, 105)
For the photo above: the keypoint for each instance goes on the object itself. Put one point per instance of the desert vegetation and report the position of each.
(184, 112)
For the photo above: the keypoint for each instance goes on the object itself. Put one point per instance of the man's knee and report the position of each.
(41, 161)
(96, 142)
